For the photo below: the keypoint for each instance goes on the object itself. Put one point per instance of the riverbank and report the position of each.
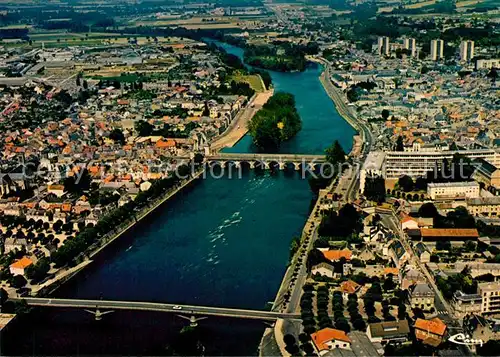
(342, 106)
(239, 126)
(53, 284)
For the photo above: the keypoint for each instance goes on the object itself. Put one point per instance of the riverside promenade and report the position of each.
(239, 126)
(52, 284)
(343, 109)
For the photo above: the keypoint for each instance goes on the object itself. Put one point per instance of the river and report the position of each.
(222, 242)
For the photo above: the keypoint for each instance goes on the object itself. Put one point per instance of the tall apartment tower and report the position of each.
(437, 49)
(466, 50)
(411, 45)
(383, 46)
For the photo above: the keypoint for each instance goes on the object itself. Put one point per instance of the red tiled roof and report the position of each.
(325, 335)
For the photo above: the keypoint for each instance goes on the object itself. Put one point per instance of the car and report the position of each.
(177, 307)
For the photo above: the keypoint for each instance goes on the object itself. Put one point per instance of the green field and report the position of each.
(253, 80)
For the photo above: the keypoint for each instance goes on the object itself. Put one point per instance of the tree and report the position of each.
(277, 121)
(117, 136)
(401, 312)
(406, 183)
(85, 84)
(400, 146)
(18, 281)
(143, 128)
(335, 154)
(428, 210)
(385, 114)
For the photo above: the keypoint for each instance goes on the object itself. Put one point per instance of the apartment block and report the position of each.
(437, 49)
(453, 190)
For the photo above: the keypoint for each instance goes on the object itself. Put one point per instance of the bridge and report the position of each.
(152, 306)
(281, 160)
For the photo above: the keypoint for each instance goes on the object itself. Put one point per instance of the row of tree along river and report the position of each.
(222, 242)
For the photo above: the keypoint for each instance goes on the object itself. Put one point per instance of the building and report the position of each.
(437, 50)
(372, 167)
(411, 45)
(388, 332)
(464, 304)
(486, 172)
(484, 206)
(487, 63)
(391, 165)
(383, 46)
(397, 253)
(430, 332)
(422, 297)
(19, 266)
(451, 234)
(453, 190)
(361, 345)
(349, 287)
(328, 339)
(323, 269)
(422, 252)
(481, 328)
(490, 297)
(334, 255)
(466, 51)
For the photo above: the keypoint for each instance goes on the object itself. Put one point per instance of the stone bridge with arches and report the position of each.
(267, 161)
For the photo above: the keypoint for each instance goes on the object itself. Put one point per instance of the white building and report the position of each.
(453, 190)
(411, 45)
(329, 339)
(383, 46)
(372, 167)
(19, 266)
(392, 165)
(466, 51)
(490, 296)
(487, 63)
(437, 49)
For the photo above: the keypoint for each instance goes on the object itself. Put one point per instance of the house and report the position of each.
(334, 255)
(57, 190)
(12, 244)
(388, 332)
(465, 304)
(398, 253)
(451, 234)
(409, 223)
(349, 287)
(361, 346)
(328, 339)
(377, 234)
(430, 332)
(422, 297)
(19, 266)
(422, 252)
(479, 327)
(324, 269)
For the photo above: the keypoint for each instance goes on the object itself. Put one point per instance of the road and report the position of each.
(446, 312)
(151, 306)
(239, 126)
(341, 104)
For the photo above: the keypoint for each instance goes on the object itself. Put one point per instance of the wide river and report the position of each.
(223, 242)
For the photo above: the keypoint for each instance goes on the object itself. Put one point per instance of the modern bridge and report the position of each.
(266, 159)
(152, 306)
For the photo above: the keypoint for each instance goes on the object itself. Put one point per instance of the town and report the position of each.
(400, 251)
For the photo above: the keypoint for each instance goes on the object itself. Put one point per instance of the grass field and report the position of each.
(194, 22)
(253, 80)
(420, 4)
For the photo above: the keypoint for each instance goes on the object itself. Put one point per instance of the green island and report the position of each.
(277, 121)
(283, 57)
